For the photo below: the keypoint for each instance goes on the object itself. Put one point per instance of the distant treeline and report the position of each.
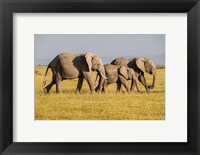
(160, 67)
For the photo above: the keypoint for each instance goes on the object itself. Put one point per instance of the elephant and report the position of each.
(140, 66)
(70, 66)
(119, 74)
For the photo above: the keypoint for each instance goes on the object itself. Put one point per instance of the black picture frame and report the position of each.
(8, 7)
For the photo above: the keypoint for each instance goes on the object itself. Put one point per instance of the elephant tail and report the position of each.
(44, 81)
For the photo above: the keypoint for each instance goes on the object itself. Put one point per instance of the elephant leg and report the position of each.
(118, 86)
(79, 85)
(48, 87)
(58, 90)
(123, 82)
(126, 86)
(97, 89)
(141, 78)
(100, 87)
(137, 86)
(104, 89)
(132, 86)
(89, 81)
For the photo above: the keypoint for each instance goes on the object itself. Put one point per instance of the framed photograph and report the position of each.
(73, 74)
(99, 77)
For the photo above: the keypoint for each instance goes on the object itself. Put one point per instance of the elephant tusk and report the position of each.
(103, 76)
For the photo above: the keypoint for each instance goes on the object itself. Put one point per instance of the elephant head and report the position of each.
(147, 65)
(127, 73)
(95, 63)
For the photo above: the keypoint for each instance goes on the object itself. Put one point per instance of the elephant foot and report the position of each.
(45, 91)
(97, 89)
(78, 92)
(140, 92)
(117, 91)
(59, 92)
(103, 92)
(150, 87)
(92, 92)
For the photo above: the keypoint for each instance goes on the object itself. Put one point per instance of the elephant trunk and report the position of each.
(102, 79)
(154, 80)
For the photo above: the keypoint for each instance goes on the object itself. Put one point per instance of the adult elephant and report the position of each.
(69, 66)
(140, 66)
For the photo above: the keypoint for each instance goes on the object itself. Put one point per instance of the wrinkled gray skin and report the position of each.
(140, 65)
(70, 66)
(119, 74)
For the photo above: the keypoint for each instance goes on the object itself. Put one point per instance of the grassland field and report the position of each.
(109, 106)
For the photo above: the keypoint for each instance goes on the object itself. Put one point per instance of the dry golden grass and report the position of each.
(110, 106)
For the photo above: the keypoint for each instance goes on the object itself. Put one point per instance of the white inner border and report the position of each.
(173, 129)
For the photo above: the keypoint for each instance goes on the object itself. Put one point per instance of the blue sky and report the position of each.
(47, 46)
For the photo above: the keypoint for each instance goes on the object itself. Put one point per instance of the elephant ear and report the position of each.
(140, 64)
(88, 57)
(123, 71)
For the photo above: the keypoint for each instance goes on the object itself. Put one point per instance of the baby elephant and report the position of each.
(120, 74)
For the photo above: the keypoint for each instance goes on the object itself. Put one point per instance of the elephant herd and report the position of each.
(70, 66)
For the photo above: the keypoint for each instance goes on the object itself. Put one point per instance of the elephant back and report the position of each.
(120, 61)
